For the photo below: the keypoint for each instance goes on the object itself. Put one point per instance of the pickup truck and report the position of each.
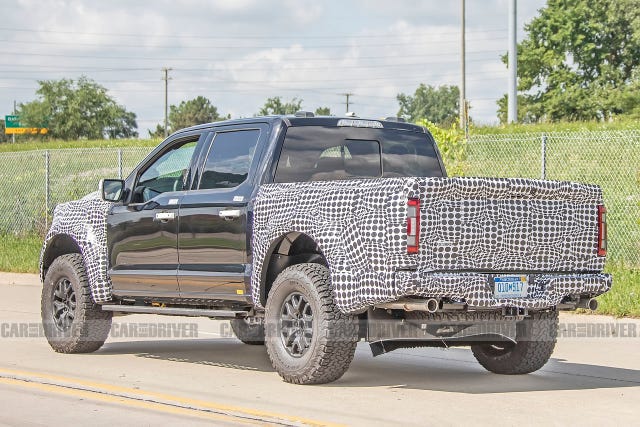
(311, 234)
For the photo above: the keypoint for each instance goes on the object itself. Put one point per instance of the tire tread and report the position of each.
(336, 347)
(527, 356)
(91, 325)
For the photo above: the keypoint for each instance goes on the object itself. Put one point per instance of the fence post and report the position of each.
(119, 163)
(543, 157)
(46, 189)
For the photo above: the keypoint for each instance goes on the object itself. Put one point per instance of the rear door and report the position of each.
(213, 216)
(142, 233)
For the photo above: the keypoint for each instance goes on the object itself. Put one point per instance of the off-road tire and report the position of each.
(334, 334)
(249, 331)
(89, 327)
(535, 340)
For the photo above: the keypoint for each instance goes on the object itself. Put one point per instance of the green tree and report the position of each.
(157, 133)
(527, 112)
(438, 105)
(275, 106)
(452, 146)
(323, 111)
(78, 109)
(193, 112)
(579, 61)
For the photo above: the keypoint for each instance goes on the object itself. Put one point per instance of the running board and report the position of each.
(174, 311)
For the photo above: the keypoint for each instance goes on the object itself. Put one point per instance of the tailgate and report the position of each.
(506, 225)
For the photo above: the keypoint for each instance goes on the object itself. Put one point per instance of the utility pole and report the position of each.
(348, 95)
(13, 135)
(166, 79)
(512, 107)
(463, 72)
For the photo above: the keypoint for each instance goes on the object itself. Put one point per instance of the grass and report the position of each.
(623, 124)
(624, 298)
(30, 145)
(72, 174)
(20, 254)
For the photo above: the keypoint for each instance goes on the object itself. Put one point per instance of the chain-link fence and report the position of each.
(32, 183)
(610, 159)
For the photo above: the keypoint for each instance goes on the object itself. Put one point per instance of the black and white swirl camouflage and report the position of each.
(471, 224)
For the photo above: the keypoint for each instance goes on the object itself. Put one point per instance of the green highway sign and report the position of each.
(12, 122)
(12, 126)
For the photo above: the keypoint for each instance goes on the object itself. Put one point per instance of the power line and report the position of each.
(161, 46)
(262, 86)
(283, 67)
(331, 60)
(252, 37)
(177, 58)
(267, 67)
(236, 47)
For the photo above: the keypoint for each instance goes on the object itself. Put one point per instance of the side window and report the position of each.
(229, 159)
(167, 173)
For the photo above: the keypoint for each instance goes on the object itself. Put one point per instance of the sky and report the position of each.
(238, 53)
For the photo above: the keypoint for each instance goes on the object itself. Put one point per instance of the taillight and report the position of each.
(413, 225)
(602, 230)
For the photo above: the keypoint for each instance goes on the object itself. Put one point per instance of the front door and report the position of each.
(142, 234)
(213, 219)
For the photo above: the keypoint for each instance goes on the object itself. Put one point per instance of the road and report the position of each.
(201, 375)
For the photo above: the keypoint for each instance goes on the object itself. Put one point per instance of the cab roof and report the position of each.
(325, 121)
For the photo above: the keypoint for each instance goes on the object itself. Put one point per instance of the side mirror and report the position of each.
(111, 190)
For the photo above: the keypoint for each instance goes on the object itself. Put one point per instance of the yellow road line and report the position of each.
(121, 400)
(98, 388)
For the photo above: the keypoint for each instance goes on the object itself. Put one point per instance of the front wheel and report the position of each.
(535, 341)
(72, 322)
(308, 340)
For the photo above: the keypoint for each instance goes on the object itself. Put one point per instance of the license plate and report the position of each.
(510, 286)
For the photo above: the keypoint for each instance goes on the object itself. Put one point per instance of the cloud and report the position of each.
(238, 53)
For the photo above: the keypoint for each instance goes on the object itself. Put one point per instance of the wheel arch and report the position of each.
(289, 249)
(58, 245)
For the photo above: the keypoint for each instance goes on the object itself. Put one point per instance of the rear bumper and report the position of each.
(476, 289)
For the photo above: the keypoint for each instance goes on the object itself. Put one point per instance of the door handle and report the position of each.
(230, 214)
(165, 216)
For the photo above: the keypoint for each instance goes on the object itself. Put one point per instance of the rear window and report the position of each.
(314, 153)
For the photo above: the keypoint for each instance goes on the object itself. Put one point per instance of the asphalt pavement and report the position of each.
(156, 370)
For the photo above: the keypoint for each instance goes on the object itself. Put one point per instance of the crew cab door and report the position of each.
(213, 217)
(142, 233)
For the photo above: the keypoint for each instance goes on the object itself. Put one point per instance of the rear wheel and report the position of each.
(535, 341)
(249, 330)
(309, 341)
(72, 322)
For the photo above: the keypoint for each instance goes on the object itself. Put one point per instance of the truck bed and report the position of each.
(471, 229)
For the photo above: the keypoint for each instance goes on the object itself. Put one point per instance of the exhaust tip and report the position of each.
(592, 304)
(433, 305)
